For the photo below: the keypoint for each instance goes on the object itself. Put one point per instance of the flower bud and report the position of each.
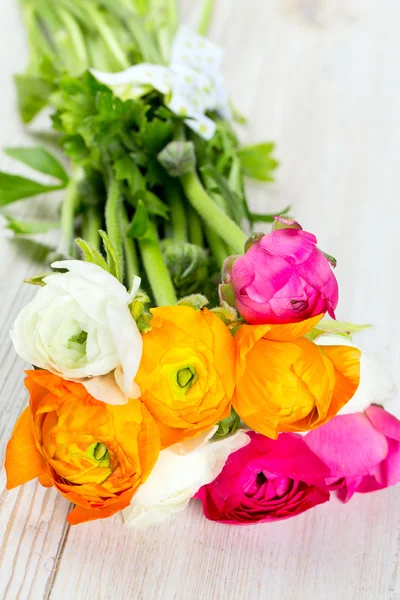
(178, 158)
(140, 311)
(187, 265)
(226, 313)
(196, 301)
(227, 426)
(283, 278)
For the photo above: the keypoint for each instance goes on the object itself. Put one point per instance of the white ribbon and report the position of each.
(191, 85)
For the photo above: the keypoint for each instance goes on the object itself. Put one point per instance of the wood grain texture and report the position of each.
(321, 77)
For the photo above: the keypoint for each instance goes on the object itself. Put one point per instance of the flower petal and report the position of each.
(346, 363)
(376, 382)
(127, 340)
(94, 274)
(178, 474)
(349, 444)
(104, 388)
(23, 460)
(386, 423)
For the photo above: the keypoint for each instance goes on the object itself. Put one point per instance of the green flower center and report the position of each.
(93, 465)
(78, 342)
(186, 377)
(99, 452)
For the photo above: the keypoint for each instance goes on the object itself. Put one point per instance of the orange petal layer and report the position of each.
(292, 385)
(52, 441)
(182, 337)
(23, 460)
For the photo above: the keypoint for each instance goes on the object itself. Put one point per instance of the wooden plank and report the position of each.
(332, 552)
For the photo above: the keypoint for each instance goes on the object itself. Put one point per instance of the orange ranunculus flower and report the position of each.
(187, 373)
(285, 382)
(95, 454)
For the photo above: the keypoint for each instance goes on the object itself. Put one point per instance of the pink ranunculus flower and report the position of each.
(362, 451)
(283, 278)
(268, 480)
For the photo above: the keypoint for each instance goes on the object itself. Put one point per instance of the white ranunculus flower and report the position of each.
(79, 326)
(376, 384)
(180, 471)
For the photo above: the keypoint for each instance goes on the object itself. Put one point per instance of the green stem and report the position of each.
(206, 17)
(58, 30)
(156, 269)
(113, 219)
(164, 44)
(195, 228)
(217, 246)
(131, 258)
(173, 15)
(178, 215)
(215, 196)
(213, 216)
(147, 48)
(38, 44)
(110, 39)
(99, 56)
(67, 218)
(91, 226)
(76, 36)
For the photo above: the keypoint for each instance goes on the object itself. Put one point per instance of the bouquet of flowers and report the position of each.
(174, 355)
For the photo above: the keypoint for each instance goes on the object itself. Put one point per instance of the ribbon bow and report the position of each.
(192, 84)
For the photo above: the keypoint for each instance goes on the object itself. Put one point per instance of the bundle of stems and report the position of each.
(173, 226)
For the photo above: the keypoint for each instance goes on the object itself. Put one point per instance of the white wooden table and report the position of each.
(322, 78)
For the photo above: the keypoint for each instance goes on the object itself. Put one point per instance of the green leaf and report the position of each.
(39, 159)
(30, 227)
(33, 95)
(152, 203)
(336, 328)
(331, 259)
(267, 218)
(14, 187)
(127, 170)
(257, 161)
(235, 178)
(164, 113)
(140, 222)
(114, 265)
(156, 135)
(226, 294)
(238, 117)
(37, 279)
(91, 253)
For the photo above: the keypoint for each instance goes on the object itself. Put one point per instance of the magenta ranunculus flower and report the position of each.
(267, 480)
(283, 278)
(362, 451)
